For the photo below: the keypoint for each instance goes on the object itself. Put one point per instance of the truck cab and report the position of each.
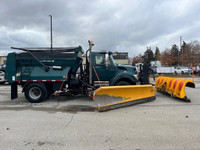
(105, 69)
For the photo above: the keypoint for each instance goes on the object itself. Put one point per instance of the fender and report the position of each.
(27, 83)
(123, 76)
(24, 86)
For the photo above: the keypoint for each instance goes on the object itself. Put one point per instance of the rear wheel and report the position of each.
(36, 92)
(182, 72)
(122, 83)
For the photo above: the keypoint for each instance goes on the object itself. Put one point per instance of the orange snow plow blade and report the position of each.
(111, 97)
(174, 86)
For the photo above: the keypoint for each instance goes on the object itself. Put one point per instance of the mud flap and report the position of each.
(14, 91)
(111, 97)
(174, 86)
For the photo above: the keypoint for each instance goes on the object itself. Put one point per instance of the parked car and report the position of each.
(196, 70)
(2, 67)
(183, 70)
(2, 79)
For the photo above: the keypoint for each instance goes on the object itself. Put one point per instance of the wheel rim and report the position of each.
(35, 92)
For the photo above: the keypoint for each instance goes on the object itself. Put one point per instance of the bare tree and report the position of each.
(166, 58)
(137, 59)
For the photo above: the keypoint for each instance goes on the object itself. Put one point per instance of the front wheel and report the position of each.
(122, 83)
(36, 92)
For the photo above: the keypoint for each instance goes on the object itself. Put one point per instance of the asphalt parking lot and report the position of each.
(74, 123)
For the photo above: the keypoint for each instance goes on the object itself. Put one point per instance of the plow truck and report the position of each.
(43, 71)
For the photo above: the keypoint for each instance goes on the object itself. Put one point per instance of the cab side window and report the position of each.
(100, 59)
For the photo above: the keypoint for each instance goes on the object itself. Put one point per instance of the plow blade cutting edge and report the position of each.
(111, 97)
(174, 86)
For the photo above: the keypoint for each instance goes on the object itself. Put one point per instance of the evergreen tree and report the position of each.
(148, 55)
(174, 54)
(157, 54)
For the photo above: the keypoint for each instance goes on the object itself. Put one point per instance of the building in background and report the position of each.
(121, 58)
(2, 60)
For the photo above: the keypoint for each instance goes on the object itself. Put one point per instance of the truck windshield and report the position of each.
(112, 60)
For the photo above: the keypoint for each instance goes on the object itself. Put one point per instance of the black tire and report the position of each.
(36, 92)
(122, 83)
(1, 83)
(182, 72)
(175, 73)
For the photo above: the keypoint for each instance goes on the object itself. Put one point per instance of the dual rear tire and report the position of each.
(36, 92)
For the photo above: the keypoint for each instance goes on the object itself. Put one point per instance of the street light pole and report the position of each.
(51, 32)
(178, 57)
(181, 43)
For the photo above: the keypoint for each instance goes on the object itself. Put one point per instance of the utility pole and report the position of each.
(51, 33)
(180, 43)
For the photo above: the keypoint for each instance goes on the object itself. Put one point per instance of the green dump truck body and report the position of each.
(24, 67)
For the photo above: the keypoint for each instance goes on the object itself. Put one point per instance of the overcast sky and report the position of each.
(116, 25)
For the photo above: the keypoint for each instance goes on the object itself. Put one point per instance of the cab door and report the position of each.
(104, 70)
